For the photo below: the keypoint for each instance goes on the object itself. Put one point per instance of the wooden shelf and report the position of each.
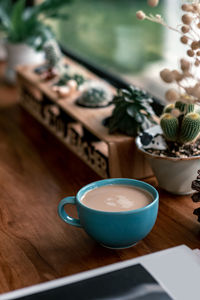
(81, 129)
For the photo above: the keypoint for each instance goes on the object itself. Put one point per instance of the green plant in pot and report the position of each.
(132, 112)
(53, 64)
(176, 164)
(94, 94)
(180, 123)
(68, 81)
(25, 30)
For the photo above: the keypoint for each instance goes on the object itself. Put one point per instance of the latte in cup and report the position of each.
(116, 198)
(116, 212)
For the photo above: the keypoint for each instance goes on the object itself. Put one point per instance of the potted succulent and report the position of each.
(67, 80)
(25, 30)
(175, 157)
(94, 94)
(132, 112)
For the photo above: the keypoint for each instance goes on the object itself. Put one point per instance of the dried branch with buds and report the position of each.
(180, 120)
(153, 2)
(186, 79)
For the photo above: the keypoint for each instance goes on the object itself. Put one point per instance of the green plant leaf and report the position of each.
(139, 117)
(17, 26)
(128, 126)
(57, 15)
(132, 110)
(41, 34)
(5, 9)
(115, 120)
(17, 14)
(47, 7)
(125, 93)
(23, 24)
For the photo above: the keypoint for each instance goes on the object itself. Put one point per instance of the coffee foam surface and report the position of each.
(116, 198)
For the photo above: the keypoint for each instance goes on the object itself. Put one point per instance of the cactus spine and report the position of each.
(182, 127)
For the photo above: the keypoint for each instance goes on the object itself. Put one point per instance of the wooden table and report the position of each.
(36, 172)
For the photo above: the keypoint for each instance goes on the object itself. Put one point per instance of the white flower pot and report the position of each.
(20, 54)
(174, 175)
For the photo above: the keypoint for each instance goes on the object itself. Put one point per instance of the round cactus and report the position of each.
(170, 126)
(190, 128)
(180, 105)
(52, 52)
(190, 108)
(94, 97)
(168, 108)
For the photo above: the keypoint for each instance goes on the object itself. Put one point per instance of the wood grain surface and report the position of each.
(36, 172)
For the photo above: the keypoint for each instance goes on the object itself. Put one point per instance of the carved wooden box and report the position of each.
(81, 129)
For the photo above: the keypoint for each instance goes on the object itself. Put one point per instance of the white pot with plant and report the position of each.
(20, 54)
(25, 31)
(173, 147)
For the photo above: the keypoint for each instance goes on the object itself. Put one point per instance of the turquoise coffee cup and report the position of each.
(113, 229)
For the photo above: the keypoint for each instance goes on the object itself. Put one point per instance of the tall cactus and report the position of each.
(170, 126)
(180, 123)
(189, 108)
(53, 55)
(190, 128)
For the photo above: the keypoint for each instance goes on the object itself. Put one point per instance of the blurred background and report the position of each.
(107, 33)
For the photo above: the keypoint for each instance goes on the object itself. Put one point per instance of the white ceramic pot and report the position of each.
(20, 54)
(174, 175)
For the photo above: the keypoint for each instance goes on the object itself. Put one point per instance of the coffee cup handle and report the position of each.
(64, 216)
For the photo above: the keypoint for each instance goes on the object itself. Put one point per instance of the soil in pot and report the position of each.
(178, 151)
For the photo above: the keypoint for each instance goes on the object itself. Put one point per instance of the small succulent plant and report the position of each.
(53, 54)
(132, 113)
(54, 64)
(94, 97)
(95, 94)
(66, 77)
(180, 123)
